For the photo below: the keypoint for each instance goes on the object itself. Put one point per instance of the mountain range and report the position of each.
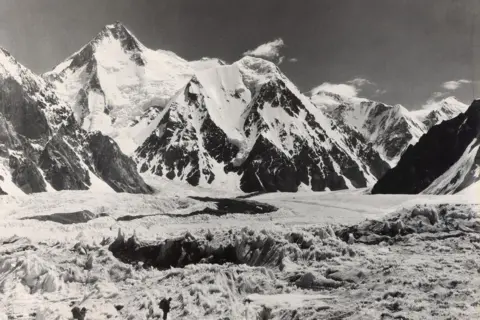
(116, 108)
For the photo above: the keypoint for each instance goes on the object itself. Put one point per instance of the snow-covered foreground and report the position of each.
(313, 258)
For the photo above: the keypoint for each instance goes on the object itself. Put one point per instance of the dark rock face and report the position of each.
(115, 168)
(26, 175)
(8, 136)
(72, 155)
(21, 111)
(63, 167)
(268, 169)
(433, 155)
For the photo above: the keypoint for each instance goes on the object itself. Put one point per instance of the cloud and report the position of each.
(360, 82)
(346, 90)
(455, 84)
(293, 60)
(379, 92)
(325, 94)
(349, 89)
(448, 87)
(321, 99)
(438, 95)
(269, 51)
(432, 102)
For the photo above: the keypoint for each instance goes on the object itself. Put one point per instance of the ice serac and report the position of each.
(445, 160)
(41, 146)
(114, 79)
(247, 126)
(390, 129)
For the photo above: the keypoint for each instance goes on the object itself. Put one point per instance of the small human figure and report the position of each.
(79, 314)
(165, 306)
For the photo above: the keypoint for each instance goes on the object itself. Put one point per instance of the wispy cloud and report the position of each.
(346, 90)
(455, 84)
(360, 82)
(293, 60)
(379, 92)
(269, 51)
(321, 95)
(349, 89)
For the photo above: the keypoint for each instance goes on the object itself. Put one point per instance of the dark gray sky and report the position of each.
(407, 47)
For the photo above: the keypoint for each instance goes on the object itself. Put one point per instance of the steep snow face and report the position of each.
(390, 129)
(115, 78)
(458, 174)
(444, 161)
(213, 132)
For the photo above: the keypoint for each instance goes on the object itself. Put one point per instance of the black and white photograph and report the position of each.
(239, 159)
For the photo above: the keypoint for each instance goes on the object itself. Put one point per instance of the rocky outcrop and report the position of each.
(114, 167)
(63, 167)
(26, 175)
(21, 111)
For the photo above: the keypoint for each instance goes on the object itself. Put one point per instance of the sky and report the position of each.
(395, 51)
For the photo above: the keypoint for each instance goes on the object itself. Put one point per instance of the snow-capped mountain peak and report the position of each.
(114, 79)
(391, 129)
(257, 71)
(118, 32)
(444, 161)
(436, 111)
(247, 126)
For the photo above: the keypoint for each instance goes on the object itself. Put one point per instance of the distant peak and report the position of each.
(451, 98)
